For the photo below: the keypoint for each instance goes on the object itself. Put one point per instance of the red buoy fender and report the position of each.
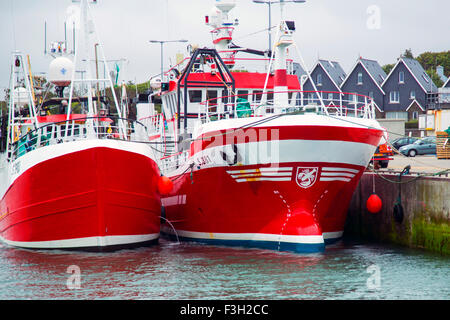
(165, 185)
(374, 203)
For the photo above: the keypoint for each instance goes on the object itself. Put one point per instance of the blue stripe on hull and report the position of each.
(271, 245)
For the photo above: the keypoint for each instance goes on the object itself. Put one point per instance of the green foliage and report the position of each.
(430, 60)
(388, 67)
(141, 87)
(408, 54)
(434, 76)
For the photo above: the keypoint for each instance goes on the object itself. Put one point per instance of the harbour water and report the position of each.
(348, 270)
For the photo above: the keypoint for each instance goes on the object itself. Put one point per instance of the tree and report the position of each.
(388, 67)
(434, 76)
(408, 54)
(430, 60)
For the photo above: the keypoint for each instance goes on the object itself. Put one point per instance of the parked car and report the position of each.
(423, 146)
(400, 142)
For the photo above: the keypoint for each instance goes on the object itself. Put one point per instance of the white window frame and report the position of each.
(401, 77)
(411, 95)
(393, 95)
(319, 79)
(360, 78)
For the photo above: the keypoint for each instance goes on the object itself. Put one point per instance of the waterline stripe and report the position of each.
(84, 242)
(247, 236)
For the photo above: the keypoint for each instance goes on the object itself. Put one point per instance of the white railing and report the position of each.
(261, 104)
(79, 129)
(169, 163)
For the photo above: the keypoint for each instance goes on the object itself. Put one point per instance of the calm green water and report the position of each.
(193, 271)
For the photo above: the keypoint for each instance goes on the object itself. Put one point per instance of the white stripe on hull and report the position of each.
(313, 239)
(84, 242)
(279, 152)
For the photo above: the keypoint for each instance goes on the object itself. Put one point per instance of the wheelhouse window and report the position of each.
(401, 77)
(225, 96)
(330, 96)
(257, 94)
(195, 96)
(243, 94)
(211, 96)
(360, 78)
(394, 97)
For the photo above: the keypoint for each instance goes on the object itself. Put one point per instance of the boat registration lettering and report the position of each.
(203, 160)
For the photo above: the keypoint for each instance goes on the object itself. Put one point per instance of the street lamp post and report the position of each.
(161, 42)
(269, 3)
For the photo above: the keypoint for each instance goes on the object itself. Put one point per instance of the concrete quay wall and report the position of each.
(426, 211)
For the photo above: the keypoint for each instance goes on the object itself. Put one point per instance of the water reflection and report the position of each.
(194, 271)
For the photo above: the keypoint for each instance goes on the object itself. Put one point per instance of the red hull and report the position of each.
(297, 204)
(96, 197)
(212, 204)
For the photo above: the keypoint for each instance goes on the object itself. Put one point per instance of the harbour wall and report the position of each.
(426, 211)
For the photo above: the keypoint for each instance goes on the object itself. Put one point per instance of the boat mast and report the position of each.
(17, 101)
(88, 28)
(286, 31)
(223, 28)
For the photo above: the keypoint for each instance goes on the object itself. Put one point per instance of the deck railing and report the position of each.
(79, 129)
(261, 104)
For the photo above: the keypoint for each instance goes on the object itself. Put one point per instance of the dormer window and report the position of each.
(401, 77)
(319, 79)
(360, 78)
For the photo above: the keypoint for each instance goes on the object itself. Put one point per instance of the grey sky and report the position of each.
(329, 29)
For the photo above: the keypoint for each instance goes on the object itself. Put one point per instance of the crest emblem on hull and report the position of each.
(306, 177)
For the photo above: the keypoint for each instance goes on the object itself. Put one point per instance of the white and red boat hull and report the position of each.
(264, 203)
(83, 194)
